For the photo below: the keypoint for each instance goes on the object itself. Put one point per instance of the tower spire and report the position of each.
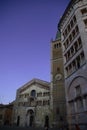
(58, 35)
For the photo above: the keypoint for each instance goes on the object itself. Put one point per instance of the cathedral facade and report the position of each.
(32, 104)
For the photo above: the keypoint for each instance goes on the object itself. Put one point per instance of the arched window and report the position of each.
(59, 44)
(33, 93)
(54, 46)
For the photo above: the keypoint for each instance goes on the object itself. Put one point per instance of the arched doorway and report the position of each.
(46, 121)
(30, 114)
(31, 120)
(18, 120)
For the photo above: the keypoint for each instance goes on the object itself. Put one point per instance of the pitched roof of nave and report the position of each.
(35, 81)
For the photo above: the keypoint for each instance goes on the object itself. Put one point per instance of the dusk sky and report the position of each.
(26, 28)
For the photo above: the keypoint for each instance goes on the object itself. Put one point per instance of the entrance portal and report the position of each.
(30, 118)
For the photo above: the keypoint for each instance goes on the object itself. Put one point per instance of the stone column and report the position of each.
(75, 107)
(84, 104)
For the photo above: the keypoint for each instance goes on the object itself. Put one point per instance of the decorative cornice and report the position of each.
(34, 81)
(70, 5)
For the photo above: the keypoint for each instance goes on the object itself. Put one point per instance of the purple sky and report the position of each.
(26, 28)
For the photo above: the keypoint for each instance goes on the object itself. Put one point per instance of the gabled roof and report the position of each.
(6, 105)
(35, 81)
(1, 105)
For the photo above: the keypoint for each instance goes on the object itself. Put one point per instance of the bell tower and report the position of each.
(57, 83)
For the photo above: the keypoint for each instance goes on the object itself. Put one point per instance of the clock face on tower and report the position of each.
(58, 77)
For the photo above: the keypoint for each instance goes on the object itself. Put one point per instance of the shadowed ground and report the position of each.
(23, 128)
